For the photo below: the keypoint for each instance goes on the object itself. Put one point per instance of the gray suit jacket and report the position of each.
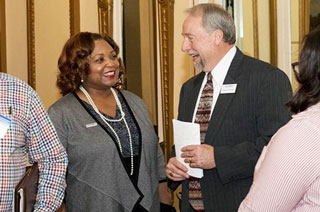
(241, 124)
(96, 177)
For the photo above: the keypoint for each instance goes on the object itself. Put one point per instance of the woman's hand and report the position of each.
(165, 194)
(165, 198)
(176, 171)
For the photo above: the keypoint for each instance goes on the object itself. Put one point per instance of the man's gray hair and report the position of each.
(215, 17)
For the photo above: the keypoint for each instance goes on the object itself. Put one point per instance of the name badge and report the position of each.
(4, 125)
(228, 88)
(91, 125)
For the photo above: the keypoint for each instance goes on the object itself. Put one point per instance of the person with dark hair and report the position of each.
(239, 103)
(27, 134)
(116, 163)
(287, 175)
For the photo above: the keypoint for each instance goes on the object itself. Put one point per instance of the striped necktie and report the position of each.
(203, 119)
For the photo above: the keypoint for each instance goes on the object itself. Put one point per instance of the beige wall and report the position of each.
(148, 58)
(183, 66)
(248, 47)
(16, 37)
(89, 16)
(263, 18)
(264, 30)
(51, 32)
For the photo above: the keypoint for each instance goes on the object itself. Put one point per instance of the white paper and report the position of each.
(186, 133)
(4, 125)
(21, 201)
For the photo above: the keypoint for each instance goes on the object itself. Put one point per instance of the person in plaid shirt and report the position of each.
(25, 128)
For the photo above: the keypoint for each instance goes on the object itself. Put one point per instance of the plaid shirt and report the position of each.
(32, 132)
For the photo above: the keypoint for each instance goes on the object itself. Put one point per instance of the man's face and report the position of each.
(198, 43)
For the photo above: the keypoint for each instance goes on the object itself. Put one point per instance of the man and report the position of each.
(247, 99)
(26, 128)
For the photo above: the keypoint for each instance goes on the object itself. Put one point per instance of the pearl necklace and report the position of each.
(105, 120)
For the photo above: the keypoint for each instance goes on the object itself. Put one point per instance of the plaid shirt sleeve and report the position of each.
(44, 147)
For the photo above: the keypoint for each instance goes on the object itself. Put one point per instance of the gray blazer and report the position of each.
(241, 124)
(96, 177)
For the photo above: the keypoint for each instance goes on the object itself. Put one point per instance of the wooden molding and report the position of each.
(3, 44)
(74, 13)
(31, 44)
(273, 33)
(165, 13)
(255, 28)
(304, 20)
(105, 14)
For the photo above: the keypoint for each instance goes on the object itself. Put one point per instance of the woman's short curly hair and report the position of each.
(73, 62)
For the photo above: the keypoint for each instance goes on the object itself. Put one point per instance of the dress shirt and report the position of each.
(30, 131)
(219, 73)
(287, 174)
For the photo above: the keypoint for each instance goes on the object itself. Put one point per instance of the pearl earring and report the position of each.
(81, 80)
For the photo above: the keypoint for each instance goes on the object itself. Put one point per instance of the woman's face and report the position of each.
(104, 67)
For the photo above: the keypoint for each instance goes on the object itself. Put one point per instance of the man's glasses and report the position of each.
(295, 66)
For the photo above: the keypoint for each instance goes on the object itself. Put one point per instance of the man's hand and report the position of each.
(176, 171)
(199, 156)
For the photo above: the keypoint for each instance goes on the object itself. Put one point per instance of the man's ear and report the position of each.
(218, 36)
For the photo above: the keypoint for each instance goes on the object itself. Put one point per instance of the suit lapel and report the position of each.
(224, 100)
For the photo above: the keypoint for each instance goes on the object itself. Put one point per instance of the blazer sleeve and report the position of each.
(173, 185)
(237, 161)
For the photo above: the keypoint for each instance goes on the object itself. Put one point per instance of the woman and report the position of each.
(116, 163)
(287, 175)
